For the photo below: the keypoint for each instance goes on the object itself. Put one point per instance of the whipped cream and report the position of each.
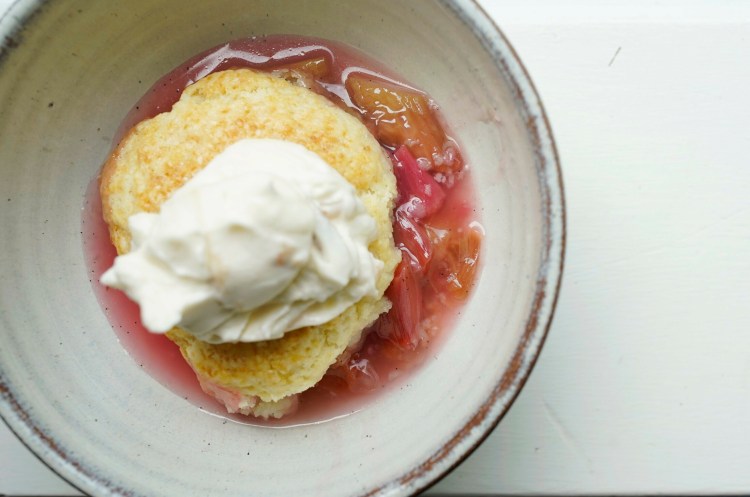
(266, 239)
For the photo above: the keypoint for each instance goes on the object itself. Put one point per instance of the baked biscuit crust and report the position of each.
(160, 154)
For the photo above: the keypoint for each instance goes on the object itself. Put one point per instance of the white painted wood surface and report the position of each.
(644, 383)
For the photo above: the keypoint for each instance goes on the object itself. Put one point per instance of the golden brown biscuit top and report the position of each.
(160, 154)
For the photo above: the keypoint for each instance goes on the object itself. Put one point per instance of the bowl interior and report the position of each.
(73, 394)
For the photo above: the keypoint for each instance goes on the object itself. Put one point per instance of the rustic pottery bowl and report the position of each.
(70, 71)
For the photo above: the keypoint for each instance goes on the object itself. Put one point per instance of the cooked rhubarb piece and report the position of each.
(417, 189)
(359, 374)
(412, 238)
(401, 324)
(317, 68)
(453, 266)
(403, 117)
(305, 73)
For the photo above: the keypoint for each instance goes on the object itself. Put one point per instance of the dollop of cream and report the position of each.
(266, 239)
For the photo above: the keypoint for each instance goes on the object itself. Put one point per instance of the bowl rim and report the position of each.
(471, 435)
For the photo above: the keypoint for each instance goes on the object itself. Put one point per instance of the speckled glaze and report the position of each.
(69, 72)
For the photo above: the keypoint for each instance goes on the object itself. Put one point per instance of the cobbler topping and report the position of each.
(266, 239)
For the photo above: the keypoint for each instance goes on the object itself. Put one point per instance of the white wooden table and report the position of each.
(644, 383)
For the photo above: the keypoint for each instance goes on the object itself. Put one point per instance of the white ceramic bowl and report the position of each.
(70, 70)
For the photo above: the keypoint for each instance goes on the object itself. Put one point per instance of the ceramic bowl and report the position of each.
(70, 71)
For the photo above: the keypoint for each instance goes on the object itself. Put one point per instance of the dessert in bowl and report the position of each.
(289, 181)
(407, 436)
